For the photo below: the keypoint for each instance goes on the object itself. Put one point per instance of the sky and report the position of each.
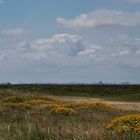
(69, 41)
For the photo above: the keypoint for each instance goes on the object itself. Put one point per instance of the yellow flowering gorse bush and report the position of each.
(128, 123)
(19, 106)
(47, 103)
(62, 111)
(24, 102)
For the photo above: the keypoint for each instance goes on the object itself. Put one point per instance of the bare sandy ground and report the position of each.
(117, 104)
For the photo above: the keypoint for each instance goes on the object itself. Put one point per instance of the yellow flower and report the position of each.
(59, 110)
(128, 123)
(19, 106)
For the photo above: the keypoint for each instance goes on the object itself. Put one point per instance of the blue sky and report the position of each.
(69, 40)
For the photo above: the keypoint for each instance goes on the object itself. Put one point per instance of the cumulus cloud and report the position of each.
(73, 50)
(60, 48)
(69, 49)
(102, 18)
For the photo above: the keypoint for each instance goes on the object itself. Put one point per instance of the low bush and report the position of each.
(62, 111)
(124, 124)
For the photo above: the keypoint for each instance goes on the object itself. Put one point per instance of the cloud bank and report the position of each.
(102, 18)
(70, 49)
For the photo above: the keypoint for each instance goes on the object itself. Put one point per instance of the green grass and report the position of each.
(113, 92)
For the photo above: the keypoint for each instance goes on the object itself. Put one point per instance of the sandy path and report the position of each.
(117, 104)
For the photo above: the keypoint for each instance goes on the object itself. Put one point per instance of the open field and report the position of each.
(109, 92)
(41, 112)
(125, 105)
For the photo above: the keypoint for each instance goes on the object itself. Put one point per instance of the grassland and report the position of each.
(37, 112)
(113, 92)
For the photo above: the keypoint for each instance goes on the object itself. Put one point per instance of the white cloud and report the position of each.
(13, 34)
(125, 53)
(67, 49)
(64, 49)
(73, 50)
(123, 50)
(102, 18)
(2, 56)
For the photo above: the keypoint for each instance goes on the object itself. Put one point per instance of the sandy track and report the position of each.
(117, 104)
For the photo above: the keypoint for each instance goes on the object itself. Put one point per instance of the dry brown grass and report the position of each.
(43, 117)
